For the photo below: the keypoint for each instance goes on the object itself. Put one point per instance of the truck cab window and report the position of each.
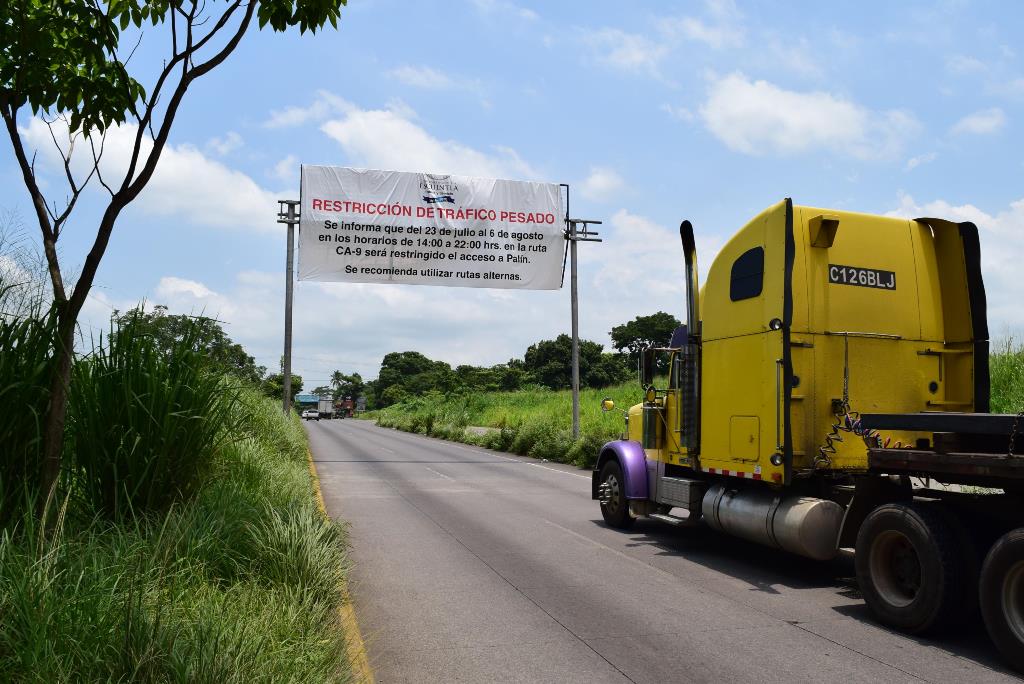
(747, 277)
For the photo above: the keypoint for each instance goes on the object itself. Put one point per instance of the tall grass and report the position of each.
(237, 584)
(535, 422)
(1007, 376)
(26, 362)
(146, 422)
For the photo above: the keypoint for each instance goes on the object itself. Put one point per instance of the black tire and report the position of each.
(1001, 592)
(616, 511)
(909, 568)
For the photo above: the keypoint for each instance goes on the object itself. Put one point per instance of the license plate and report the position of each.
(862, 277)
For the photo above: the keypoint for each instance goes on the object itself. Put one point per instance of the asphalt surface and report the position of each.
(477, 566)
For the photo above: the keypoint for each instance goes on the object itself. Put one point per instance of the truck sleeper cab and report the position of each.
(830, 358)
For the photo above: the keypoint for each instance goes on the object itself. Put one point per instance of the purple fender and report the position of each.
(630, 456)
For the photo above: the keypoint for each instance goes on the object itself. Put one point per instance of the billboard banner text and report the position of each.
(370, 226)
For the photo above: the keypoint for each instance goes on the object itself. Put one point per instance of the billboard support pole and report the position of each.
(286, 213)
(577, 230)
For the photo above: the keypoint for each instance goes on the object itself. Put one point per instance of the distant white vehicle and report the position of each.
(326, 408)
(311, 414)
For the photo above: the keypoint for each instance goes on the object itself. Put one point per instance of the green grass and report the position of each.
(239, 583)
(535, 422)
(1007, 376)
(26, 362)
(145, 423)
(538, 422)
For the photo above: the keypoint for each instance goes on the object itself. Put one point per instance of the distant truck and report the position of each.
(830, 389)
(344, 407)
(325, 408)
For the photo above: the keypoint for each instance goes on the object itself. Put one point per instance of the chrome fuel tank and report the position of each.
(799, 524)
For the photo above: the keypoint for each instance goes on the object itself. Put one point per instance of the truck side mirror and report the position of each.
(647, 367)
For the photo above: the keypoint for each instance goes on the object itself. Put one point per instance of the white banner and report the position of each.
(369, 226)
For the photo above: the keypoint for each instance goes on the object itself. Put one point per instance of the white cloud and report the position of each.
(721, 30)
(914, 162)
(324, 105)
(629, 52)
(717, 37)
(982, 122)
(758, 117)
(388, 139)
(644, 260)
(1013, 87)
(186, 185)
(287, 170)
(422, 77)
(222, 146)
(171, 287)
(681, 113)
(603, 184)
(796, 56)
(964, 64)
(503, 7)
(1002, 253)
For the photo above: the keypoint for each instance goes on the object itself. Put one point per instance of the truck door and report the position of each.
(747, 311)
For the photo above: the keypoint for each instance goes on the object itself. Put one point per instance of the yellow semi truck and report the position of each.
(830, 390)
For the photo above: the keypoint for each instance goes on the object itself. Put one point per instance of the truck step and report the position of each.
(690, 521)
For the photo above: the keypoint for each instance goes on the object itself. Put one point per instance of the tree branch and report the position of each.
(10, 116)
(96, 161)
(188, 77)
(185, 57)
(131, 188)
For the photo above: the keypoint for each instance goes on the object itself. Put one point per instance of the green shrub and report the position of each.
(144, 425)
(584, 451)
(26, 364)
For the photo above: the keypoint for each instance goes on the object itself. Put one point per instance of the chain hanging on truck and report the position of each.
(1013, 433)
(846, 420)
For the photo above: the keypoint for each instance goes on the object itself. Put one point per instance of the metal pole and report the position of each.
(291, 218)
(575, 333)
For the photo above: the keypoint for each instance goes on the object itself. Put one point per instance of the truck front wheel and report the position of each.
(1002, 596)
(614, 505)
(908, 567)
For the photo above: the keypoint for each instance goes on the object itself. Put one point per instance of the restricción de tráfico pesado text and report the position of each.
(429, 251)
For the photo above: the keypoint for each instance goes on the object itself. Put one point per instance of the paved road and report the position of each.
(476, 566)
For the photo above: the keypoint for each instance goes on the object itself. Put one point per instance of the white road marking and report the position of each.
(439, 474)
(556, 470)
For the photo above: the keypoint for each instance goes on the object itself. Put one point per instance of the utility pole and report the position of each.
(574, 234)
(287, 214)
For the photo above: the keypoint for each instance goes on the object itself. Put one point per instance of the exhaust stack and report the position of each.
(692, 282)
(690, 375)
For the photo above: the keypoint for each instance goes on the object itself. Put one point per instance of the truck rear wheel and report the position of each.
(908, 567)
(614, 505)
(1002, 596)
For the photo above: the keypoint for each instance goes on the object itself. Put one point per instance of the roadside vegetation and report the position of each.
(1007, 376)
(533, 422)
(182, 543)
(538, 421)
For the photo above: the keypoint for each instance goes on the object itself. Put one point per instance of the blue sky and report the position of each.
(652, 112)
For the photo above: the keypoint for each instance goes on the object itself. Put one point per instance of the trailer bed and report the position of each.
(966, 448)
